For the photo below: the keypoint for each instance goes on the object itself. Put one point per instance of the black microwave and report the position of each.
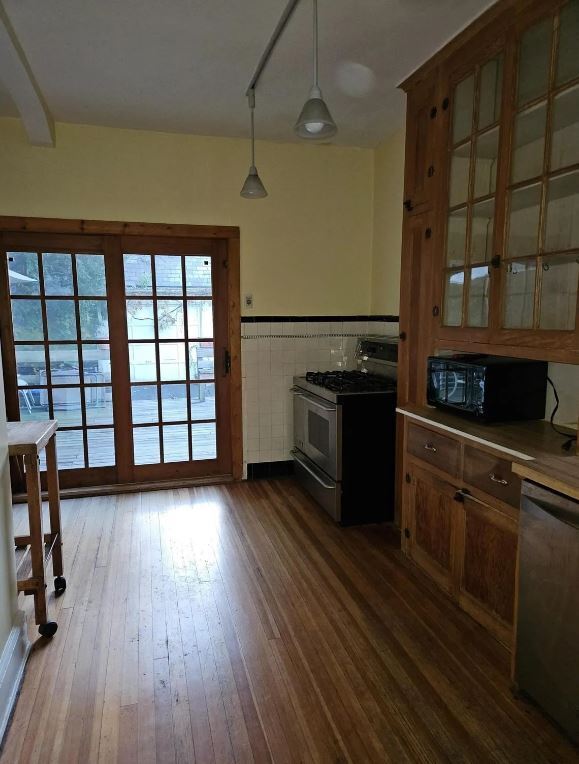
(490, 388)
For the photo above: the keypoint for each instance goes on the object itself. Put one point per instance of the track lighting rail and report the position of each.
(269, 48)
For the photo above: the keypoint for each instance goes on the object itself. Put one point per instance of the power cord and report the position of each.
(566, 446)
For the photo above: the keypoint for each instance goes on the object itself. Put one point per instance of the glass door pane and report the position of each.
(473, 157)
(559, 284)
(62, 351)
(534, 60)
(567, 58)
(541, 291)
(171, 331)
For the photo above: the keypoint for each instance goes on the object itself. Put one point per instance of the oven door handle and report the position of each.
(310, 399)
(307, 468)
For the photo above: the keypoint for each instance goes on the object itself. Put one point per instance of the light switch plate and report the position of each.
(248, 301)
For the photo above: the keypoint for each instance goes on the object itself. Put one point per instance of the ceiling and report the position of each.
(184, 65)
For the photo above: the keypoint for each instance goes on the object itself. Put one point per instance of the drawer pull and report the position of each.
(500, 481)
(430, 447)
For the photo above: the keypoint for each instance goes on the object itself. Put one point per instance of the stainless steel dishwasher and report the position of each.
(547, 659)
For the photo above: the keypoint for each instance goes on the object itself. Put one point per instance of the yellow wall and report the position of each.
(387, 224)
(306, 249)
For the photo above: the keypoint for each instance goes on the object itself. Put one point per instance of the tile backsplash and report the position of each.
(272, 353)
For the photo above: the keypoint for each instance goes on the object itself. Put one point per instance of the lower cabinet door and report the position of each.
(487, 558)
(430, 506)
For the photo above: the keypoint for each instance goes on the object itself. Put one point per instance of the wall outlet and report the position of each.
(248, 301)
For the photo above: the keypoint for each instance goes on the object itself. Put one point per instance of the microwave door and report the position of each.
(456, 386)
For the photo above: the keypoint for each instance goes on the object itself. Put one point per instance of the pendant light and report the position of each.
(315, 121)
(253, 188)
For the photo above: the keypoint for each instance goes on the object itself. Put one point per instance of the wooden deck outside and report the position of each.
(238, 623)
(101, 441)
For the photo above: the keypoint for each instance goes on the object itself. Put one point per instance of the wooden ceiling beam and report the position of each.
(17, 77)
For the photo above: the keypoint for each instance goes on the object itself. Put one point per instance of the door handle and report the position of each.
(226, 362)
(430, 447)
(312, 473)
(311, 399)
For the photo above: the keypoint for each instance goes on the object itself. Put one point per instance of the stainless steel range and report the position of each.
(345, 432)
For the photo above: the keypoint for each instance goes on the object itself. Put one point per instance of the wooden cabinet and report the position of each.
(433, 447)
(460, 526)
(430, 525)
(420, 171)
(486, 541)
(504, 185)
(491, 474)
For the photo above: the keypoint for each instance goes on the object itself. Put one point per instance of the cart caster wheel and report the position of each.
(59, 585)
(48, 629)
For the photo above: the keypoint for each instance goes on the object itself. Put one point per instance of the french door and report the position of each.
(125, 341)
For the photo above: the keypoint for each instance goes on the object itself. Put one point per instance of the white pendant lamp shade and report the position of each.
(315, 121)
(253, 188)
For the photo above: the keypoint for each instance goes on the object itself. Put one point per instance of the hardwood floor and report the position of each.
(238, 623)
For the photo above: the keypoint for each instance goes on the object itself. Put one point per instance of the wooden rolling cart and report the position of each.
(26, 440)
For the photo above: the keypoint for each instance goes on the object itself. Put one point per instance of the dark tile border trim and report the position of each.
(269, 470)
(296, 319)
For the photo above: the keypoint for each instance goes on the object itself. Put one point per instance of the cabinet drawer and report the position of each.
(433, 447)
(492, 475)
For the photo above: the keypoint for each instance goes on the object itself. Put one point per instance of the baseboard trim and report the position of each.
(115, 488)
(12, 665)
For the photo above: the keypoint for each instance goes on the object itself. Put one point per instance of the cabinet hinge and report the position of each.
(428, 233)
(433, 112)
(407, 477)
(407, 532)
(436, 311)
(446, 103)
(496, 261)
(408, 205)
(430, 171)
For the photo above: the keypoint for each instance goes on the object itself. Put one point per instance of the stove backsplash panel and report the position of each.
(273, 351)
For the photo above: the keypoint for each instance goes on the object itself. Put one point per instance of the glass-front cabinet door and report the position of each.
(540, 267)
(509, 221)
(473, 158)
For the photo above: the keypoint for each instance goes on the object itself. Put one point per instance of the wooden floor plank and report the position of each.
(237, 623)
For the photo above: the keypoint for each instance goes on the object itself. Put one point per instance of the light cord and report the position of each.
(315, 43)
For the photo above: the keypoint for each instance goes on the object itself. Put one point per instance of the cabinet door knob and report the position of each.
(499, 480)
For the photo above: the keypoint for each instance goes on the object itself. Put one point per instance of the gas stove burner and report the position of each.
(349, 381)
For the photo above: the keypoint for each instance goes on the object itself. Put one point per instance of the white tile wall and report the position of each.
(271, 355)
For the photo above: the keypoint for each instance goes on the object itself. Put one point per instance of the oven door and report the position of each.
(327, 492)
(318, 431)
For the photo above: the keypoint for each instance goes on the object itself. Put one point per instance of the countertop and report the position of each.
(558, 473)
(535, 447)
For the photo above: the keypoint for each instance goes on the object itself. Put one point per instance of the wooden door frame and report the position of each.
(229, 239)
